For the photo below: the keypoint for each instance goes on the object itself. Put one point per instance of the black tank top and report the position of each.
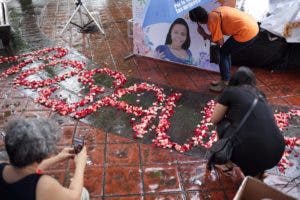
(24, 189)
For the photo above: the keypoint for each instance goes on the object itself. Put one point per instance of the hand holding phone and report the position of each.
(81, 158)
(78, 144)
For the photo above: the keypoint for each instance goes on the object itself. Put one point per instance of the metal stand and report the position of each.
(79, 4)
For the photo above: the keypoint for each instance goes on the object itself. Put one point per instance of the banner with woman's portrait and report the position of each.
(163, 30)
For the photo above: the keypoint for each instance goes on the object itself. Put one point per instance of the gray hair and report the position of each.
(30, 140)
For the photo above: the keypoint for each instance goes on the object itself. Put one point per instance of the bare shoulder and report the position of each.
(46, 179)
(47, 187)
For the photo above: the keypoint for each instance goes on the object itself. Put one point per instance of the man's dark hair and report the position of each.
(199, 14)
(187, 41)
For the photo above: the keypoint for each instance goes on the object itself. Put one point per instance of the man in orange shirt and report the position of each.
(241, 28)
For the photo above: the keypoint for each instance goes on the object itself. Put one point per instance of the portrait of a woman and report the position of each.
(177, 44)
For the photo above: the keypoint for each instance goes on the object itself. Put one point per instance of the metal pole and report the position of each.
(91, 16)
(78, 6)
(69, 21)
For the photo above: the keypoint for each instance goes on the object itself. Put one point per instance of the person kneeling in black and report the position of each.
(261, 145)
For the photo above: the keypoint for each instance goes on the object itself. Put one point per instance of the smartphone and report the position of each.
(78, 144)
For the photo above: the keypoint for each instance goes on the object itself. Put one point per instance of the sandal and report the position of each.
(219, 87)
(215, 83)
(225, 168)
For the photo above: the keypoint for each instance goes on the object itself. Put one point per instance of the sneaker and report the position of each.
(220, 87)
(214, 83)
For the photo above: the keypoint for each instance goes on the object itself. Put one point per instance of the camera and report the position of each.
(78, 144)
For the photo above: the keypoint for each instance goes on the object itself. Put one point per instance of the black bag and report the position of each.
(222, 127)
(221, 151)
(214, 53)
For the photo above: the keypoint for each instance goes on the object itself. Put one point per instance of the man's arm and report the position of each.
(202, 32)
(206, 36)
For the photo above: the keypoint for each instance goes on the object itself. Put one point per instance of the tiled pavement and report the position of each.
(122, 168)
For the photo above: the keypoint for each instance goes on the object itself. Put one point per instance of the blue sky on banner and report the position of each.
(166, 11)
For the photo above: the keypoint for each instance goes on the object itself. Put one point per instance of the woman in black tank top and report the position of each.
(29, 144)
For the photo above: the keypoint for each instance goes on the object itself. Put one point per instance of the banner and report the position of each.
(163, 30)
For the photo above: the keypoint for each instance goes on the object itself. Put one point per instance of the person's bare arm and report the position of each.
(48, 188)
(219, 113)
(202, 32)
(80, 162)
(65, 154)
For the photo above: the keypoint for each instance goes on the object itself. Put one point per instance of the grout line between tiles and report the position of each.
(104, 166)
(141, 170)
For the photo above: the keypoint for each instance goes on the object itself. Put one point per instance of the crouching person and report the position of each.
(259, 144)
(30, 144)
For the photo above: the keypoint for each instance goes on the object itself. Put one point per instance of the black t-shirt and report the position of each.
(261, 142)
(239, 99)
(24, 189)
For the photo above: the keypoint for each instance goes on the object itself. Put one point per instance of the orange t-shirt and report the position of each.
(241, 26)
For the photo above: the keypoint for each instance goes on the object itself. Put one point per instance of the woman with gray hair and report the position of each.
(29, 144)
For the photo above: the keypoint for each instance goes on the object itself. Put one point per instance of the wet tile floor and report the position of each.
(119, 166)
